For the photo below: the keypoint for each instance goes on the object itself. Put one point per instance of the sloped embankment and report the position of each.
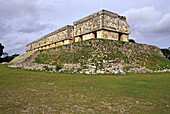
(102, 54)
(26, 57)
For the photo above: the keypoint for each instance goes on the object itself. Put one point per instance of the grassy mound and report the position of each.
(101, 53)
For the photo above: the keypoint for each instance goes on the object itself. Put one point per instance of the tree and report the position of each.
(7, 58)
(1, 49)
(166, 53)
(5, 54)
(132, 40)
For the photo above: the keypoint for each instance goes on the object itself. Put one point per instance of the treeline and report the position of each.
(8, 58)
(5, 57)
(166, 52)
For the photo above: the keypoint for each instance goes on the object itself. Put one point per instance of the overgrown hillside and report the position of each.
(100, 53)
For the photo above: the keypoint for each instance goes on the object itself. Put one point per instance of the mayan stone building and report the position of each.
(103, 24)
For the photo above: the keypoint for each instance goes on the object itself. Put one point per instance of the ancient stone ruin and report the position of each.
(103, 24)
(99, 56)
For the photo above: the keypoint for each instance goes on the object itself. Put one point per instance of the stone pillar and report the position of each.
(56, 44)
(52, 45)
(60, 43)
(100, 34)
(107, 35)
(88, 36)
(113, 36)
(78, 39)
(124, 38)
(72, 41)
(66, 42)
(92, 35)
(48, 46)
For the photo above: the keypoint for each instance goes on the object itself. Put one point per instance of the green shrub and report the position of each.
(48, 69)
(58, 67)
(78, 70)
(37, 60)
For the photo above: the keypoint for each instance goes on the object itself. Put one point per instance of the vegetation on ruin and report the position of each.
(96, 51)
(23, 91)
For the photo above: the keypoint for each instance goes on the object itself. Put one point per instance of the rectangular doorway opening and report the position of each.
(81, 37)
(120, 37)
(95, 34)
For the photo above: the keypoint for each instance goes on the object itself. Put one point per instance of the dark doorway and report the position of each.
(120, 37)
(81, 37)
(95, 34)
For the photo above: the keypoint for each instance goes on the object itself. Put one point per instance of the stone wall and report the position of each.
(88, 24)
(56, 38)
(102, 20)
(103, 24)
(115, 23)
(107, 35)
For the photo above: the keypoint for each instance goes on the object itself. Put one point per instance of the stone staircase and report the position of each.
(25, 58)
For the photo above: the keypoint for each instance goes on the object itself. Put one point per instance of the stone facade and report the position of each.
(103, 24)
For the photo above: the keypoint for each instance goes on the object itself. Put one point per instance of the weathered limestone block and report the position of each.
(43, 47)
(124, 38)
(88, 36)
(36, 49)
(123, 26)
(100, 34)
(112, 36)
(35, 45)
(111, 22)
(40, 48)
(60, 43)
(67, 42)
(115, 23)
(107, 35)
(78, 39)
(28, 47)
(52, 45)
(48, 46)
(41, 42)
(47, 41)
(87, 24)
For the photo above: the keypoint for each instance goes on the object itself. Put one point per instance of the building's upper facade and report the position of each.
(101, 20)
(103, 24)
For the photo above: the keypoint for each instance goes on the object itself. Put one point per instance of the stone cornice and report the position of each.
(95, 15)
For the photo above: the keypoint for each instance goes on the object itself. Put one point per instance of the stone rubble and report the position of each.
(116, 69)
(139, 70)
(145, 70)
(32, 66)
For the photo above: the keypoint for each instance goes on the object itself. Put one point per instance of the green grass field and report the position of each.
(23, 91)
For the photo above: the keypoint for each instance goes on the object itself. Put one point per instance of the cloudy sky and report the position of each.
(22, 21)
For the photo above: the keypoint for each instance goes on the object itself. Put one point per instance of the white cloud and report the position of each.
(142, 16)
(149, 26)
(163, 26)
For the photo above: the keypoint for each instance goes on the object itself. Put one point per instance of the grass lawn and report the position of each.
(23, 91)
